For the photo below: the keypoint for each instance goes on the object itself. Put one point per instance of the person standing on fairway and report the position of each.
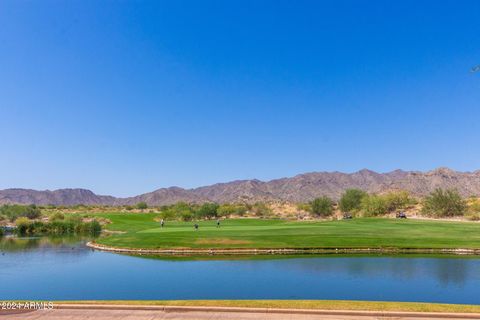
(162, 223)
(218, 223)
(195, 226)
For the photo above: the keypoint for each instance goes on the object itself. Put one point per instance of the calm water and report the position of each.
(66, 269)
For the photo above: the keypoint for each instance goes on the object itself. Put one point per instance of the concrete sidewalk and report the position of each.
(127, 312)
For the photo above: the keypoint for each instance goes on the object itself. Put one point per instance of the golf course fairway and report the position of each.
(142, 231)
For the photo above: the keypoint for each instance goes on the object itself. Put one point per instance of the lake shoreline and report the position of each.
(281, 251)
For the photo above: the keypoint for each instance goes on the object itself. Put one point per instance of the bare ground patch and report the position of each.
(113, 231)
(222, 241)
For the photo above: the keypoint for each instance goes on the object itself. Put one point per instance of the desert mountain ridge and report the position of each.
(300, 188)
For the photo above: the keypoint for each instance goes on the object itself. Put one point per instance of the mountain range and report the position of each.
(300, 188)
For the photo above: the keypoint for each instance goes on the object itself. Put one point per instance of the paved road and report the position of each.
(83, 314)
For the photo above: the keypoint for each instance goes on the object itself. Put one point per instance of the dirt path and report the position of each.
(105, 312)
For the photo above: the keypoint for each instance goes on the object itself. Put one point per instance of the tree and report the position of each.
(322, 206)
(207, 210)
(142, 205)
(351, 200)
(444, 203)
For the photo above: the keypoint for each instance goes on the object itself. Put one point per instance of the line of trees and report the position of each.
(187, 212)
(439, 203)
(359, 202)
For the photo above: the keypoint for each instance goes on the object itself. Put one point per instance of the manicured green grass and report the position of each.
(141, 231)
(299, 304)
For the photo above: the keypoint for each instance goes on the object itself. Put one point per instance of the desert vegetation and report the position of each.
(30, 220)
(83, 219)
(322, 207)
(444, 203)
(13, 212)
(69, 226)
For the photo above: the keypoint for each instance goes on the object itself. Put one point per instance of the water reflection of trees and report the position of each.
(455, 271)
(22, 253)
(445, 270)
(14, 244)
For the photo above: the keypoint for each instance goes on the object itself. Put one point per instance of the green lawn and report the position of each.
(141, 231)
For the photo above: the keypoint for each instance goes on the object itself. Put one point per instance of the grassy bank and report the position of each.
(142, 231)
(301, 304)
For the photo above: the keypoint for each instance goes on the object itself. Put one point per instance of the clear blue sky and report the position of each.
(123, 97)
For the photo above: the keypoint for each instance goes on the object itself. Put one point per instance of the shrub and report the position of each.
(74, 218)
(57, 227)
(92, 228)
(397, 200)
(186, 216)
(129, 208)
(322, 206)
(444, 203)
(180, 210)
(81, 206)
(473, 216)
(32, 212)
(61, 228)
(473, 209)
(12, 212)
(474, 206)
(231, 209)
(351, 200)
(260, 209)
(142, 205)
(57, 216)
(374, 205)
(167, 214)
(304, 207)
(23, 226)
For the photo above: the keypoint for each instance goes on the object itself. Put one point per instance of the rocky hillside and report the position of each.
(300, 188)
(57, 197)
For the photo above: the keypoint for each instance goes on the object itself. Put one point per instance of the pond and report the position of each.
(65, 269)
